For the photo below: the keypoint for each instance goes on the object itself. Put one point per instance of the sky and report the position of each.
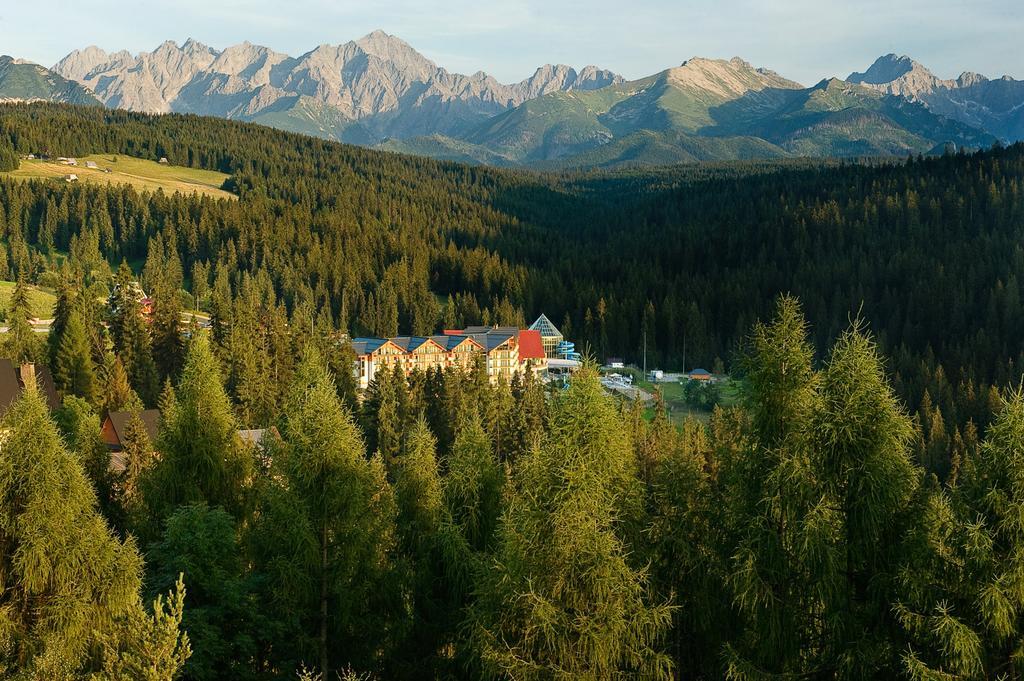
(805, 40)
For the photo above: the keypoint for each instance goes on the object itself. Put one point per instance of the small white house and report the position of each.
(164, 161)
(91, 164)
(71, 177)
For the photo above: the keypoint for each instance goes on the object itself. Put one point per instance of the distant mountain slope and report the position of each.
(705, 110)
(378, 91)
(996, 106)
(363, 91)
(26, 82)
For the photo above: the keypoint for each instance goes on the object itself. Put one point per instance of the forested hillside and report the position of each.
(852, 517)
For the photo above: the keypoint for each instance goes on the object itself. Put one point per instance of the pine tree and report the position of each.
(148, 647)
(327, 531)
(561, 599)
(767, 489)
(168, 345)
(201, 458)
(821, 503)
(21, 344)
(118, 394)
(435, 555)
(67, 577)
(961, 605)
(861, 443)
(73, 371)
(473, 486)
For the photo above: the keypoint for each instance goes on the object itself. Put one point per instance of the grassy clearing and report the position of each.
(142, 174)
(679, 411)
(42, 300)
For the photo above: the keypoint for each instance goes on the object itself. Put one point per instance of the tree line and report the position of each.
(686, 257)
(447, 527)
(852, 517)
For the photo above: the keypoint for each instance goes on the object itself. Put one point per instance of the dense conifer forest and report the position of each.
(854, 516)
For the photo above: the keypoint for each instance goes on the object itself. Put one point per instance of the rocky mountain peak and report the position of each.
(727, 79)
(885, 69)
(898, 75)
(76, 65)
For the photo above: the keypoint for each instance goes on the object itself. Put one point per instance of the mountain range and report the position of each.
(378, 91)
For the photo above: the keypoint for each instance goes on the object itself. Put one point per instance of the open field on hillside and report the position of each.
(142, 174)
(42, 300)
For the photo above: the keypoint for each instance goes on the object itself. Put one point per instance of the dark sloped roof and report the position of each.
(409, 343)
(150, 419)
(492, 340)
(10, 387)
(12, 383)
(364, 346)
(450, 341)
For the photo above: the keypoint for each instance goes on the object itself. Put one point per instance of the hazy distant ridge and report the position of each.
(379, 91)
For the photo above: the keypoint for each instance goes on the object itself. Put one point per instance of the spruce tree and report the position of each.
(561, 599)
(67, 578)
(117, 393)
(66, 301)
(21, 343)
(73, 371)
(138, 457)
(326, 534)
(201, 458)
(168, 345)
(473, 487)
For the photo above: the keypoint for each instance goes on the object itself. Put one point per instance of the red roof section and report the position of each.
(452, 332)
(530, 345)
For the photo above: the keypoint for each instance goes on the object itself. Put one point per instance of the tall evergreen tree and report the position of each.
(821, 526)
(117, 393)
(73, 371)
(561, 599)
(67, 578)
(961, 604)
(473, 486)
(201, 458)
(21, 343)
(428, 542)
(327, 532)
(168, 345)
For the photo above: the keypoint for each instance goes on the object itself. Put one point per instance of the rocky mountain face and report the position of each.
(705, 109)
(22, 81)
(363, 91)
(378, 91)
(996, 106)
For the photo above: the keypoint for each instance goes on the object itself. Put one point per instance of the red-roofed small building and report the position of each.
(531, 349)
